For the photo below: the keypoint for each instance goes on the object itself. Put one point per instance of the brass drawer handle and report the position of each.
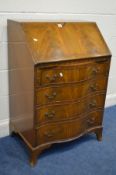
(91, 120)
(92, 104)
(93, 87)
(50, 115)
(95, 71)
(52, 79)
(51, 97)
(49, 134)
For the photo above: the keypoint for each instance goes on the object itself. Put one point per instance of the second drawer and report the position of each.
(70, 92)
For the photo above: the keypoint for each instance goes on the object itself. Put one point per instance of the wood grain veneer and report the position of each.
(58, 75)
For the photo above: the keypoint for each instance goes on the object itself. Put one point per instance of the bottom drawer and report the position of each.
(59, 131)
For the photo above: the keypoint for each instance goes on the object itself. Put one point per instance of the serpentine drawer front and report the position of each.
(58, 75)
(71, 73)
(68, 129)
(69, 92)
(65, 111)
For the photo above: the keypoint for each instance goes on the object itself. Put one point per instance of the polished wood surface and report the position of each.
(21, 83)
(58, 75)
(49, 42)
(69, 92)
(68, 129)
(56, 112)
(70, 72)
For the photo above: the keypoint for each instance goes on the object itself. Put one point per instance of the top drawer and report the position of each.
(70, 73)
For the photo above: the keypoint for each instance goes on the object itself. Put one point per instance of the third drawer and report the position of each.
(58, 112)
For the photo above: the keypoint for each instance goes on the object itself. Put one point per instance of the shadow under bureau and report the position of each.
(58, 74)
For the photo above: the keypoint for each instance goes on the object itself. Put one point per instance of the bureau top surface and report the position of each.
(55, 41)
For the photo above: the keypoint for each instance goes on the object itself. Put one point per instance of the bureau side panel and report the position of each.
(21, 83)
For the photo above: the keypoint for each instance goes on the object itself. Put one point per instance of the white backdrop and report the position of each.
(103, 12)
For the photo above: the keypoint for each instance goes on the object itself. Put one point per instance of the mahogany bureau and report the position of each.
(58, 75)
